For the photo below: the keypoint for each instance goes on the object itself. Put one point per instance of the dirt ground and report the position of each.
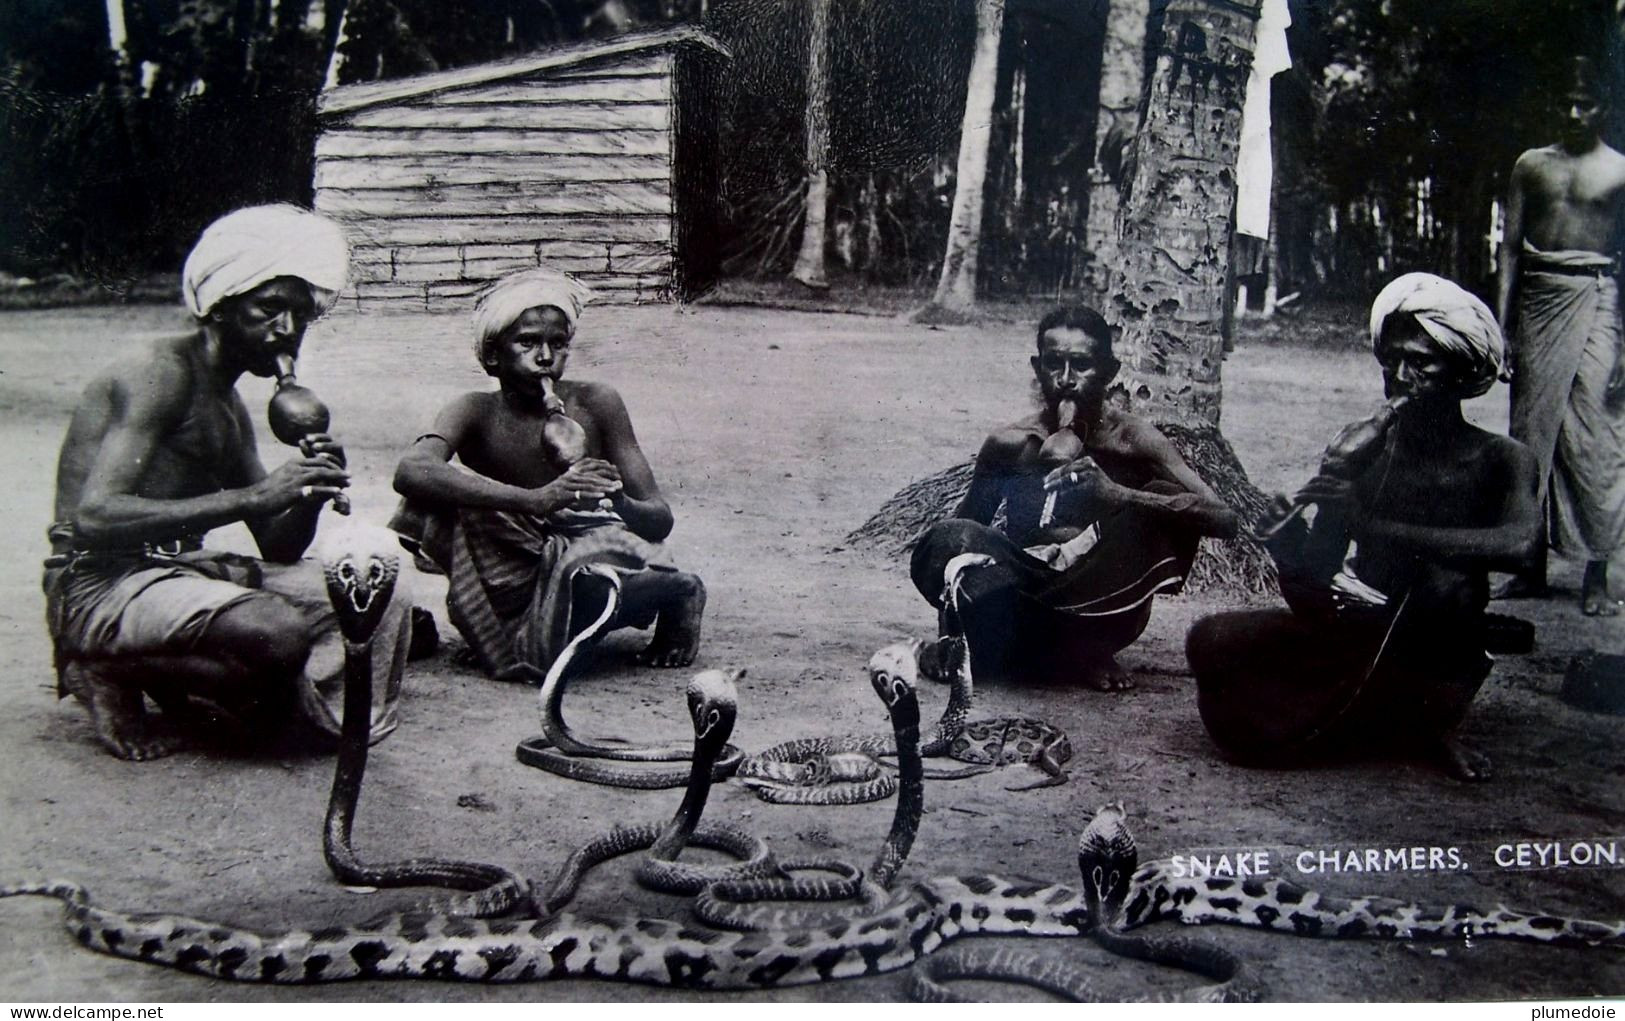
(773, 434)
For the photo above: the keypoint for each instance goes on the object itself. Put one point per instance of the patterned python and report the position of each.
(360, 585)
(852, 769)
(914, 922)
(759, 903)
(559, 750)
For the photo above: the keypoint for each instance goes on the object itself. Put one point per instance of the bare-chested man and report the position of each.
(1100, 514)
(160, 450)
(1383, 650)
(514, 530)
(1559, 278)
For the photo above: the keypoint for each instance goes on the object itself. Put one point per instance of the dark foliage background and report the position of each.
(1395, 129)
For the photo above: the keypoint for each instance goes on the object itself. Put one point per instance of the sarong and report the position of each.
(512, 592)
(1024, 616)
(119, 606)
(1568, 339)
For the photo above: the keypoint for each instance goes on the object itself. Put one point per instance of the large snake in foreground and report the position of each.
(360, 586)
(560, 750)
(914, 922)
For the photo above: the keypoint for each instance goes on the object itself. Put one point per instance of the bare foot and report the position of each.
(1107, 674)
(677, 633)
(1594, 598)
(1463, 763)
(117, 713)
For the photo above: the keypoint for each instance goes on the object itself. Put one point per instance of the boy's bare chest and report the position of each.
(511, 449)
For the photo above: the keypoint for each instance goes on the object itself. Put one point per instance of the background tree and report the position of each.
(956, 288)
(809, 267)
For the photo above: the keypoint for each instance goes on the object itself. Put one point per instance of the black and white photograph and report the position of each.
(882, 501)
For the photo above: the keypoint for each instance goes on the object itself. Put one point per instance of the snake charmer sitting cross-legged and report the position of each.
(160, 451)
(1383, 647)
(1100, 513)
(516, 528)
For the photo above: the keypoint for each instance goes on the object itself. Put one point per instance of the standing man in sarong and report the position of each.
(1559, 277)
(515, 525)
(1382, 651)
(161, 450)
(1100, 514)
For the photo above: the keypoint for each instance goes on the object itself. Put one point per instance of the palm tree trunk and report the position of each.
(1167, 289)
(809, 267)
(956, 288)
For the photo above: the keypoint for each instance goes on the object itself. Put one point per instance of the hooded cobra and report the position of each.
(712, 705)
(360, 586)
(750, 903)
(915, 922)
(559, 750)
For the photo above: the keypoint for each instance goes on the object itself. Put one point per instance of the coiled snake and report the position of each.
(914, 922)
(851, 769)
(559, 750)
(758, 903)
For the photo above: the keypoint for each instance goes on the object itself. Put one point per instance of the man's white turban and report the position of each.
(1459, 323)
(243, 250)
(506, 300)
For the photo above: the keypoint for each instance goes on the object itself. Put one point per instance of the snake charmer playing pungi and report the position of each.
(555, 483)
(1100, 514)
(161, 450)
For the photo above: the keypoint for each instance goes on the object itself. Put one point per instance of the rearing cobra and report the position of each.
(360, 586)
(559, 750)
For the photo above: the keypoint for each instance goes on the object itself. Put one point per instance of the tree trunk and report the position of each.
(1167, 289)
(809, 267)
(1122, 82)
(956, 289)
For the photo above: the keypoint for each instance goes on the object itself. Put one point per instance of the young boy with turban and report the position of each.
(1384, 643)
(515, 526)
(161, 449)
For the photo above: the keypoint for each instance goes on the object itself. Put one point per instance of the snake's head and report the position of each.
(359, 584)
(894, 671)
(713, 702)
(1107, 858)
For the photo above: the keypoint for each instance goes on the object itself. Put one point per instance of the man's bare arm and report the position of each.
(1198, 506)
(994, 462)
(282, 535)
(143, 410)
(1508, 545)
(639, 502)
(426, 474)
(1506, 281)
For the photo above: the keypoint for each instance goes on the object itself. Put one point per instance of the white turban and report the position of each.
(1459, 323)
(506, 300)
(243, 250)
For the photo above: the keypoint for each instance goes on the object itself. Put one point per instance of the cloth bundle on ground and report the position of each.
(249, 247)
(512, 591)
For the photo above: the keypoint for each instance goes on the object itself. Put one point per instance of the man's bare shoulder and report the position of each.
(159, 374)
(1133, 434)
(1007, 444)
